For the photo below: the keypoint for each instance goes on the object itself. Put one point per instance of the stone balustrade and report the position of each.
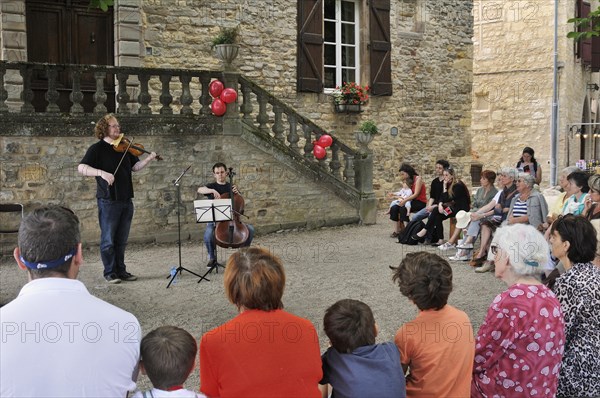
(179, 94)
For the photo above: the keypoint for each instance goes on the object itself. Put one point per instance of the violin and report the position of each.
(123, 144)
(233, 233)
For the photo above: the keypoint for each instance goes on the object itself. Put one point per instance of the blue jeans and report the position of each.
(209, 239)
(420, 215)
(115, 220)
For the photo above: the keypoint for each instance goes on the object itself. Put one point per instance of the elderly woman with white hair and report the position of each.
(519, 346)
(529, 206)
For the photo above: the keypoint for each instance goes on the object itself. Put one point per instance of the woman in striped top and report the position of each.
(529, 206)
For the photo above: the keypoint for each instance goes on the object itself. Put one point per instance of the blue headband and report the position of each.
(49, 264)
(531, 263)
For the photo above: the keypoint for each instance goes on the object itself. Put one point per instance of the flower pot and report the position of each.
(226, 52)
(363, 140)
(348, 108)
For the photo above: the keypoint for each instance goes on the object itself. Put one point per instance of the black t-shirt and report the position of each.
(221, 189)
(102, 156)
(437, 188)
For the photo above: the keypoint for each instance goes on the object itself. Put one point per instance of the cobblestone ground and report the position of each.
(322, 267)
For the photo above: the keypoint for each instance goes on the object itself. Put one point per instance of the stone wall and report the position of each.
(513, 82)
(40, 166)
(431, 67)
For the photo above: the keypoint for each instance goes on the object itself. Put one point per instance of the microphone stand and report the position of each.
(179, 269)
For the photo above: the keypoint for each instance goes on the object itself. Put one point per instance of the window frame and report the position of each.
(339, 45)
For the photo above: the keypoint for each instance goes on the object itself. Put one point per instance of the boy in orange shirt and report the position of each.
(437, 347)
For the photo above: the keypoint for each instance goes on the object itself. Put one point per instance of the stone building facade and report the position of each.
(430, 58)
(513, 85)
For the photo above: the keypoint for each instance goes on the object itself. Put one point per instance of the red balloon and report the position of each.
(215, 88)
(325, 140)
(228, 95)
(218, 107)
(319, 152)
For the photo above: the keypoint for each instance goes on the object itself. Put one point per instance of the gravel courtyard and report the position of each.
(322, 266)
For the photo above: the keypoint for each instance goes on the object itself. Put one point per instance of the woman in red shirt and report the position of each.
(264, 351)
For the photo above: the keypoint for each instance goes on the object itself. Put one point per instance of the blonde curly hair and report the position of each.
(101, 129)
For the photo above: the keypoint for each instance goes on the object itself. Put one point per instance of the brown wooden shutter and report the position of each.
(585, 45)
(380, 47)
(310, 46)
(595, 54)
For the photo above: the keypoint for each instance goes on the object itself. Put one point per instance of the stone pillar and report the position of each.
(363, 167)
(231, 119)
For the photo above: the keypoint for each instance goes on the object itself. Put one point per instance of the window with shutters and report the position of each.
(341, 50)
(329, 49)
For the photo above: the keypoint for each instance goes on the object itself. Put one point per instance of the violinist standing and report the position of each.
(114, 191)
(214, 190)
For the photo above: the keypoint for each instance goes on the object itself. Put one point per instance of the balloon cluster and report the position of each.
(222, 96)
(319, 146)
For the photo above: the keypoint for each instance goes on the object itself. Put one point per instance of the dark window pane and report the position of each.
(329, 32)
(348, 11)
(348, 75)
(348, 58)
(329, 77)
(329, 9)
(329, 55)
(348, 33)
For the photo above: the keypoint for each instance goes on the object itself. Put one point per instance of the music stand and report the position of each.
(179, 269)
(213, 210)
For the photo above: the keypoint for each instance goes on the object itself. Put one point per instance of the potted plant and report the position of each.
(365, 134)
(350, 96)
(225, 45)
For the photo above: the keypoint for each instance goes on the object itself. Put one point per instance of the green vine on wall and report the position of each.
(590, 26)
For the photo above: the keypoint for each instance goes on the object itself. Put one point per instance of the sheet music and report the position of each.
(204, 213)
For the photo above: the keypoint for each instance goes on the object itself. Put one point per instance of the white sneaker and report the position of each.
(459, 258)
(465, 246)
(447, 246)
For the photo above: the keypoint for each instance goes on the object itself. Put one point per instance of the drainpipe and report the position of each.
(554, 127)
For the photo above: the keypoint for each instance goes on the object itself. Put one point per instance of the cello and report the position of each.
(232, 233)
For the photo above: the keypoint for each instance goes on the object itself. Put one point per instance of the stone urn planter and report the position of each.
(363, 139)
(365, 134)
(226, 52)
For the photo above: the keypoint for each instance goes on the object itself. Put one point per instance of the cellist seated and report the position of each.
(214, 190)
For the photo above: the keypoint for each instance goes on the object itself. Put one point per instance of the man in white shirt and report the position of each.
(57, 340)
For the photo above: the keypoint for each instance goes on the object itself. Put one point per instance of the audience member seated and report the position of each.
(484, 194)
(578, 181)
(519, 346)
(402, 194)
(490, 213)
(398, 213)
(437, 346)
(264, 351)
(591, 206)
(574, 242)
(168, 357)
(57, 339)
(435, 191)
(354, 365)
(455, 198)
(528, 206)
(556, 208)
(528, 164)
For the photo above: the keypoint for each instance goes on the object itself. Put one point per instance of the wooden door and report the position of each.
(68, 32)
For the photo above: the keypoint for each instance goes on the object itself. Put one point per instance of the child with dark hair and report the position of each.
(437, 347)
(168, 354)
(354, 365)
